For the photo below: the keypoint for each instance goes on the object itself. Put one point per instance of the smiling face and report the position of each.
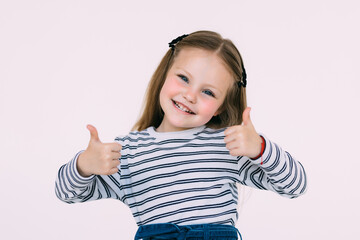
(194, 89)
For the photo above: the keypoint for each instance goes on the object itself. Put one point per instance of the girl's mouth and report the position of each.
(182, 107)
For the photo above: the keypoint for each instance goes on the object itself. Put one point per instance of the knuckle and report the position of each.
(113, 171)
(116, 145)
(108, 147)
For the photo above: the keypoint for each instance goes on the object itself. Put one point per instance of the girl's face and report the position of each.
(194, 89)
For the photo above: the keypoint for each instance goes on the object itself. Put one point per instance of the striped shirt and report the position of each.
(185, 177)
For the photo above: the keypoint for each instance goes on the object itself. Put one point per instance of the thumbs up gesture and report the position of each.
(99, 158)
(243, 140)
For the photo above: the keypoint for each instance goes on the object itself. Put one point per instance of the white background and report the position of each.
(64, 64)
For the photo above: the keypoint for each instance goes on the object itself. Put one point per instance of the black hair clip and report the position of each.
(176, 40)
(243, 81)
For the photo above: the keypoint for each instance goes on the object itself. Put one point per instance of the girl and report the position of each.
(178, 168)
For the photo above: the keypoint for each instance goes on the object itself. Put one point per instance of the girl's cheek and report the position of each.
(172, 84)
(209, 107)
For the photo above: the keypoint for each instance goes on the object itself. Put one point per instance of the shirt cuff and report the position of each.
(263, 158)
(75, 176)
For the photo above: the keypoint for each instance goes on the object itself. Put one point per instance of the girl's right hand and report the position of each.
(99, 158)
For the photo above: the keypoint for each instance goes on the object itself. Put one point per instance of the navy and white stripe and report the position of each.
(185, 177)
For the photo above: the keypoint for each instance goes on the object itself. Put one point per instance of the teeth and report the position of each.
(182, 108)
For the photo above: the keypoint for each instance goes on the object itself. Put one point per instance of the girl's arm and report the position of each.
(91, 174)
(273, 169)
(71, 187)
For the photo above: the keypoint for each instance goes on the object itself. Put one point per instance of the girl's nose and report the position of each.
(190, 95)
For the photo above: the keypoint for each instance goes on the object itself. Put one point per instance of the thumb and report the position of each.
(246, 116)
(94, 136)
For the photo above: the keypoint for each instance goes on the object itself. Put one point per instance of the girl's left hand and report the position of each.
(243, 140)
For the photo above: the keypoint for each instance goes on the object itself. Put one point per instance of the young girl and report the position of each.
(178, 168)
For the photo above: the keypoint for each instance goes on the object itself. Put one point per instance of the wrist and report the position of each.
(79, 166)
(262, 149)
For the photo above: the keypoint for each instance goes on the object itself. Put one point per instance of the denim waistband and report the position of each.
(162, 231)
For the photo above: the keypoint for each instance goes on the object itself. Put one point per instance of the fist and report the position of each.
(243, 140)
(99, 158)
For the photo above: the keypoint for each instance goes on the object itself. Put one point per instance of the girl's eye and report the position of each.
(208, 92)
(183, 78)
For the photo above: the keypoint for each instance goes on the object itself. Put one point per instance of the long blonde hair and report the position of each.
(235, 101)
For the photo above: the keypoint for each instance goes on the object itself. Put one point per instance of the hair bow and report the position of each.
(176, 40)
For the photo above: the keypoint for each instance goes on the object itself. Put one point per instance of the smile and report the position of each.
(182, 107)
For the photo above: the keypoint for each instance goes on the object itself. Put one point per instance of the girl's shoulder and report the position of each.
(208, 130)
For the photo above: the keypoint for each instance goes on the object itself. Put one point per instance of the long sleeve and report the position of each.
(186, 177)
(280, 172)
(71, 187)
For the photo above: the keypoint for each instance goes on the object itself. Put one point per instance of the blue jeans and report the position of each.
(169, 231)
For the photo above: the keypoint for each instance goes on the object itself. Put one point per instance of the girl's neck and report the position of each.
(171, 134)
(164, 127)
